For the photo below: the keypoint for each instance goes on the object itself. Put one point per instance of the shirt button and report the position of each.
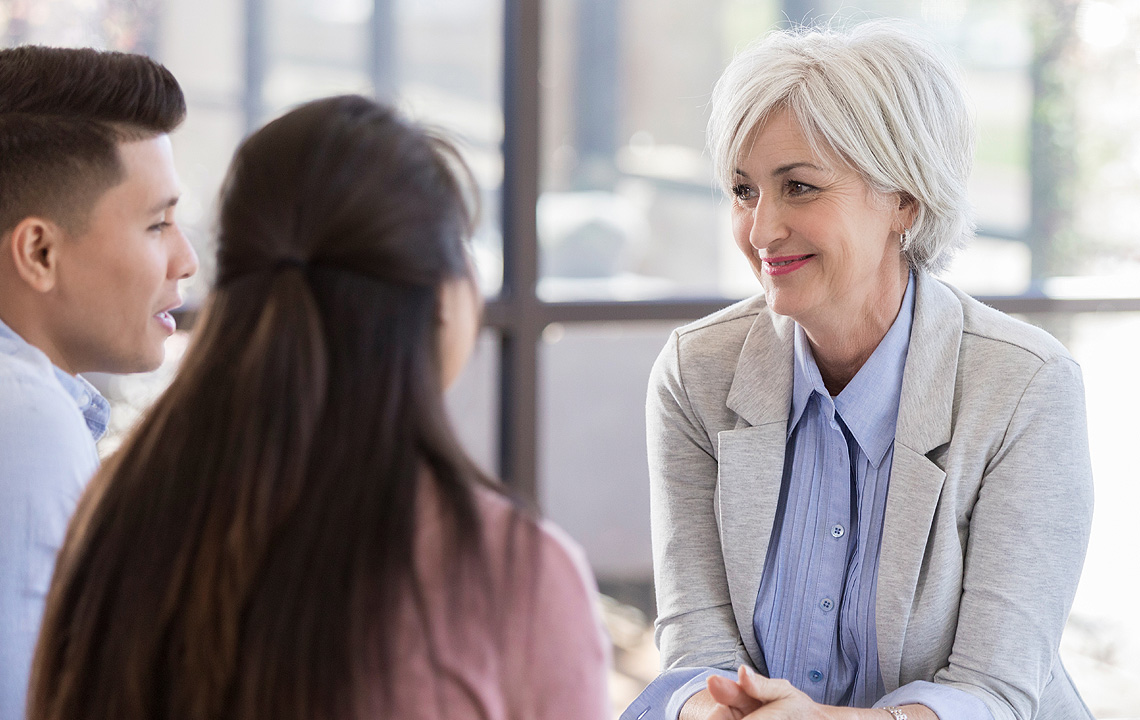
(837, 531)
(815, 675)
(834, 425)
(827, 604)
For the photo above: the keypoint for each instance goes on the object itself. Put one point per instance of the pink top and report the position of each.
(532, 648)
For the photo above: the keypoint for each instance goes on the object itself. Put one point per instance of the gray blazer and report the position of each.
(987, 517)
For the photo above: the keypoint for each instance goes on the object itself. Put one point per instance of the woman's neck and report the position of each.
(842, 344)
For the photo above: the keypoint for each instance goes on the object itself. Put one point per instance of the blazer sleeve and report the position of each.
(1027, 538)
(695, 625)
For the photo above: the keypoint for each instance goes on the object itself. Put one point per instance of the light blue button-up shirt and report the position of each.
(815, 612)
(49, 422)
(814, 617)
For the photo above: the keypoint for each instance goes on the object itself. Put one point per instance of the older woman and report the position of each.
(869, 490)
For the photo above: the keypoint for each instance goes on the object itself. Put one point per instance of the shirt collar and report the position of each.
(806, 379)
(869, 405)
(8, 333)
(92, 405)
(95, 408)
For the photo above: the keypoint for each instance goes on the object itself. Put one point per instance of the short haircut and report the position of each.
(876, 97)
(62, 113)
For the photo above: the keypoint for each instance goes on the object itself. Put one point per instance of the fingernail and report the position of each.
(751, 673)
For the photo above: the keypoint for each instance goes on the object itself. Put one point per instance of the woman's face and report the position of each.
(460, 310)
(825, 247)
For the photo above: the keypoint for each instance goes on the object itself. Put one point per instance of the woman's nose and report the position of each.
(767, 225)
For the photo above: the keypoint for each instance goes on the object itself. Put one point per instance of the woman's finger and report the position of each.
(763, 689)
(728, 693)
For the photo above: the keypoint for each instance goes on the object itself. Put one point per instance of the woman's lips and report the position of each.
(784, 264)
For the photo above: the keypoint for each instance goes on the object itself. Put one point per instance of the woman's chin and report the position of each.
(783, 301)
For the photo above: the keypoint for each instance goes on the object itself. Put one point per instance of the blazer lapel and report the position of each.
(924, 424)
(751, 462)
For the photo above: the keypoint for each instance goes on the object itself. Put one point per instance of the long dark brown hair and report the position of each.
(245, 553)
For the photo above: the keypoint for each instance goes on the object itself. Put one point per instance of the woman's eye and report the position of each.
(159, 227)
(744, 193)
(798, 188)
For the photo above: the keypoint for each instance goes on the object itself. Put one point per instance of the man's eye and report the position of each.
(159, 227)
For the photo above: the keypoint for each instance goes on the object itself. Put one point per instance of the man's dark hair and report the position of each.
(62, 113)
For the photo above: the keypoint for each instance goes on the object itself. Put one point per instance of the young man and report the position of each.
(90, 260)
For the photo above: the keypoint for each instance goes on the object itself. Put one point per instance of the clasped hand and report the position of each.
(754, 697)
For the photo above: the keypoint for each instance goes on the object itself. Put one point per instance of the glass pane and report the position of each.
(203, 147)
(440, 60)
(203, 45)
(449, 74)
(62, 22)
(593, 477)
(212, 75)
(314, 48)
(628, 209)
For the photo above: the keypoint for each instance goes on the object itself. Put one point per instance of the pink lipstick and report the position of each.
(785, 263)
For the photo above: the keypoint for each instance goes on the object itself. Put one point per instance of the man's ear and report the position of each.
(33, 247)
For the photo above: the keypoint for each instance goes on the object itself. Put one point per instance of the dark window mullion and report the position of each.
(519, 310)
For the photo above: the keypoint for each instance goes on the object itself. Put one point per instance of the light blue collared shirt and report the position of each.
(814, 617)
(49, 422)
(815, 612)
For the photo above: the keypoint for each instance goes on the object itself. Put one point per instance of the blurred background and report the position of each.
(602, 230)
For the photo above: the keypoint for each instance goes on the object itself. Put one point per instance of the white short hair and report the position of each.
(883, 101)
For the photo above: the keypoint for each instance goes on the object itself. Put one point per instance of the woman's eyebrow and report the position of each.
(782, 170)
(785, 169)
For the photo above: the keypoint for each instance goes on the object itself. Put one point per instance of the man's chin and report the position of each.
(146, 362)
(152, 363)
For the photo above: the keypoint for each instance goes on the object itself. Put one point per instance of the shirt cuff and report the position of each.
(663, 698)
(948, 703)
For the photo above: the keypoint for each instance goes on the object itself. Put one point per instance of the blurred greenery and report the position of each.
(1002, 145)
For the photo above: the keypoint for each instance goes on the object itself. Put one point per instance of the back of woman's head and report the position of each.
(344, 183)
(248, 549)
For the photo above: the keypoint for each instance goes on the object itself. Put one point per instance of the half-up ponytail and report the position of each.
(249, 550)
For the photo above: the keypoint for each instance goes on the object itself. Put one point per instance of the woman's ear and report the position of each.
(33, 248)
(907, 209)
